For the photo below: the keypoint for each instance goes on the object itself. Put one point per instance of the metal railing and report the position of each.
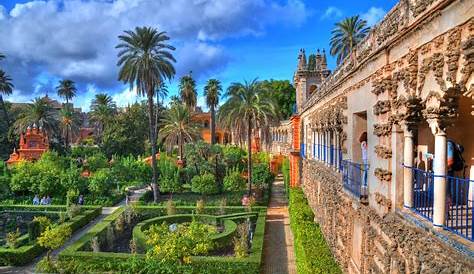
(354, 177)
(459, 206)
(459, 201)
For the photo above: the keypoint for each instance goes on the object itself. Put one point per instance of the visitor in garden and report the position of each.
(36, 200)
(80, 201)
(43, 201)
(48, 200)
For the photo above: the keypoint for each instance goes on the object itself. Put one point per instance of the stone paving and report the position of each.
(278, 245)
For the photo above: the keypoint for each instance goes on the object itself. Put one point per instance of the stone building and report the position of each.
(409, 87)
(33, 143)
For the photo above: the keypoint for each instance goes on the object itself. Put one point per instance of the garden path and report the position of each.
(278, 244)
(29, 268)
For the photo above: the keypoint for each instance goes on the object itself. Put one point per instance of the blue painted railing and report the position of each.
(354, 177)
(459, 206)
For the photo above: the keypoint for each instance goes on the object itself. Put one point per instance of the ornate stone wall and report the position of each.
(365, 242)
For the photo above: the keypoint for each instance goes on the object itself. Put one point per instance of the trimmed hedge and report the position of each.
(312, 252)
(27, 252)
(85, 261)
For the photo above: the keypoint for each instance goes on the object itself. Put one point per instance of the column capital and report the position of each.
(437, 125)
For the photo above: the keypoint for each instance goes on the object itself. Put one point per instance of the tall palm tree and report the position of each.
(70, 123)
(41, 113)
(161, 93)
(187, 91)
(178, 128)
(212, 91)
(6, 88)
(146, 60)
(248, 107)
(102, 109)
(66, 89)
(346, 35)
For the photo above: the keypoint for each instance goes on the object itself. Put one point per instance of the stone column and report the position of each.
(439, 169)
(337, 147)
(334, 145)
(327, 143)
(471, 186)
(408, 147)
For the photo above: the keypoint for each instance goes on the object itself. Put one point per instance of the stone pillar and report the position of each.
(408, 149)
(471, 186)
(327, 143)
(397, 184)
(439, 169)
(334, 145)
(295, 159)
(337, 147)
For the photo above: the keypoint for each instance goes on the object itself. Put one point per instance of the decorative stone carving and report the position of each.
(453, 52)
(420, 6)
(468, 56)
(381, 107)
(444, 106)
(382, 129)
(436, 64)
(389, 26)
(383, 201)
(383, 175)
(383, 152)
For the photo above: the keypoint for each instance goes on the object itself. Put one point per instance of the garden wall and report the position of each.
(365, 242)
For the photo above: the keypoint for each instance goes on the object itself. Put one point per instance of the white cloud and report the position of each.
(76, 39)
(332, 13)
(373, 15)
(126, 97)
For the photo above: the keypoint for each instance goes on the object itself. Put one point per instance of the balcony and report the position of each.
(459, 201)
(354, 178)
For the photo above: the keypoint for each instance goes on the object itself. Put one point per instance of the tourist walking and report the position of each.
(36, 200)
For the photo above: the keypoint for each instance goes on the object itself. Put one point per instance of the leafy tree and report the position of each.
(66, 89)
(187, 91)
(127, 133)
(234, 157)
(101, 182)
(346, 35)
(212, 91)
(234, 181)
(6, 88)
(102, 110)
(248, 107)
(169, 176)
(146, 61)
(283, 93)
(70, 123)
(178, 128)
(205, 184)
(52, 238)
(41, 113)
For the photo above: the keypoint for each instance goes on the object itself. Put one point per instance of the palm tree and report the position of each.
(66, 89)
(70, 123)
(161, 93)
(146, 61)
(346, 35)
(187, 91)
(212, 91)
(102, 109)
(6, 88)
(40, 113)
(178, 128)
(248, 107)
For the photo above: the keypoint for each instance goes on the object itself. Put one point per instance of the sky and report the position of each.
(230, 40)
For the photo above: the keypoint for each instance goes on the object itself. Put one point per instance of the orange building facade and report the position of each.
(204, 119)
(33, 143)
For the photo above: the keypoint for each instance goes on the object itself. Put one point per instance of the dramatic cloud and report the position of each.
(49, 40)
(332, 13)
(373, 15)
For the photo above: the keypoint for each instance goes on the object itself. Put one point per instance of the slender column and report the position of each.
(336, 146)
(471, 186)
(408, 147)
(326, 148)
(439, 169)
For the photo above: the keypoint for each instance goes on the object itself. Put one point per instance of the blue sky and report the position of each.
(231, 40)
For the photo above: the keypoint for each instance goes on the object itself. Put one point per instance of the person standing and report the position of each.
(365, 159)
(80, 201)
(36, 200)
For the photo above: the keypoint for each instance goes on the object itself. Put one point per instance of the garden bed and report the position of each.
(221, 260)
(26, 249)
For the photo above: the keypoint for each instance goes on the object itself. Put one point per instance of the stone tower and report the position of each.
(309, 76)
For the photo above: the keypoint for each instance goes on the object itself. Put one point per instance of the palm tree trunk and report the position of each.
(249, 151)
(67, 137)
(151, 120)
(5, 113)
(213, 125)
(181, 147)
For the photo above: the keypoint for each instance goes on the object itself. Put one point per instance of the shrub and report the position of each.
(234, 181)
(170, 207)
(200, 206)
(262, 177)
(43, 221)
(12, 238)
(169, 176)
(234, 157)
(204, 184)
(101, 182)
(53, 238)
(34, 230)
(96, 162)
(312, 253)
(241, 240)
(73, 210)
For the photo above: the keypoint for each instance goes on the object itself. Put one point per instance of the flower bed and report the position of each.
(83, 259)
(27, 250)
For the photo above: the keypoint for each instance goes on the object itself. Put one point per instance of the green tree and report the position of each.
(6, 88)
(66, 89)
(178, 128)
(212, 91)
(146, 61)
(249, 106)
(102, 109)
(40, 113)
(70, 123)
(127, 133)
(284, 94)
(53, 238)
(187, 91)
(346, 35)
